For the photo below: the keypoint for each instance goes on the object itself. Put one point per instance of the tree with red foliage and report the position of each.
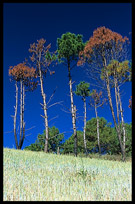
(42, 58)
(103, 47)
(24, 76)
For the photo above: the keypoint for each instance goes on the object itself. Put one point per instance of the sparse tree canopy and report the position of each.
(42, 58)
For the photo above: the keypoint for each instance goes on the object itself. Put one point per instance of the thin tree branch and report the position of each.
(52, 96)
(53, 118)
(30, 128)
(55, 104)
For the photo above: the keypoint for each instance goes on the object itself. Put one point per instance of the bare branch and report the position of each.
(30, 128)
(52, 95)
(53, 118)
(41, 104)
(8, 132)
(42, 116)
(28, 135)
(55, 104)
(65, 111)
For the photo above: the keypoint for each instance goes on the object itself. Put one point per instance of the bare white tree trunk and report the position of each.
(15, 135)
(123, 127)
(112, 111)
(117, 103)
(98, 137)
(23, 123)
(21, 112)
(73, 111)
(84, 130)
(45, 109)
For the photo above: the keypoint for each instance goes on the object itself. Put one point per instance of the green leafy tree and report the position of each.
(114, 144)
(82, 89)
(54, 142)
(68, 48)
(105, 132)
(108, 138)
(68, 146)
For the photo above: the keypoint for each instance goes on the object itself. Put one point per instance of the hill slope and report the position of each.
(36, 176)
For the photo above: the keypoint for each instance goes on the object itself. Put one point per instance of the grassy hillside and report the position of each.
(36, 176)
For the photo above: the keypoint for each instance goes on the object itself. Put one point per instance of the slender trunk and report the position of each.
(73, 111)
(84, 130)
(45, 109)
(123, 127)
(99, 147)
(15, 135)
(112, 110)
(23, 123)
(21, 112)
(58, 150)
(117, 103)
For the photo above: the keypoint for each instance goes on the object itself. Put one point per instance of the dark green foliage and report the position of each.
(114, 144)
(33, 147)
(128, 139)
(82, 89)
(105, 132)
(55, 139)
(108, 138)
(69, 46)
(68, 146)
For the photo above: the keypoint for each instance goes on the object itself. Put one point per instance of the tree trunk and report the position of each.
(112, 111)
(45, 109)
(116, 98)
(15, 135)
(84, 130)
(23, 123)
(21, 112)
(111, 107)
(99, 147)
(73, 111)
(123, 127)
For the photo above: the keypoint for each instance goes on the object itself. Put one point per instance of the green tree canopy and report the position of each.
(69, 46)
(108, 138)
(68, 146)
(55, 139)
(82, 89)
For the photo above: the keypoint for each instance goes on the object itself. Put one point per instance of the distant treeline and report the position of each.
(108, 140)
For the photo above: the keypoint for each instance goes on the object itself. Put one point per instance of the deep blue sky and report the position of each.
(23, 24)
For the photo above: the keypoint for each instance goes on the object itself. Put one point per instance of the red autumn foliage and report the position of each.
(21, 72)
(39, 55)
(101, 37)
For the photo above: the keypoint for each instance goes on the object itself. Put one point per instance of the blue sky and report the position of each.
(25, 23)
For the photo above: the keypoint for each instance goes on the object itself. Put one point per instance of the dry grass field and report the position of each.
(36, 176)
